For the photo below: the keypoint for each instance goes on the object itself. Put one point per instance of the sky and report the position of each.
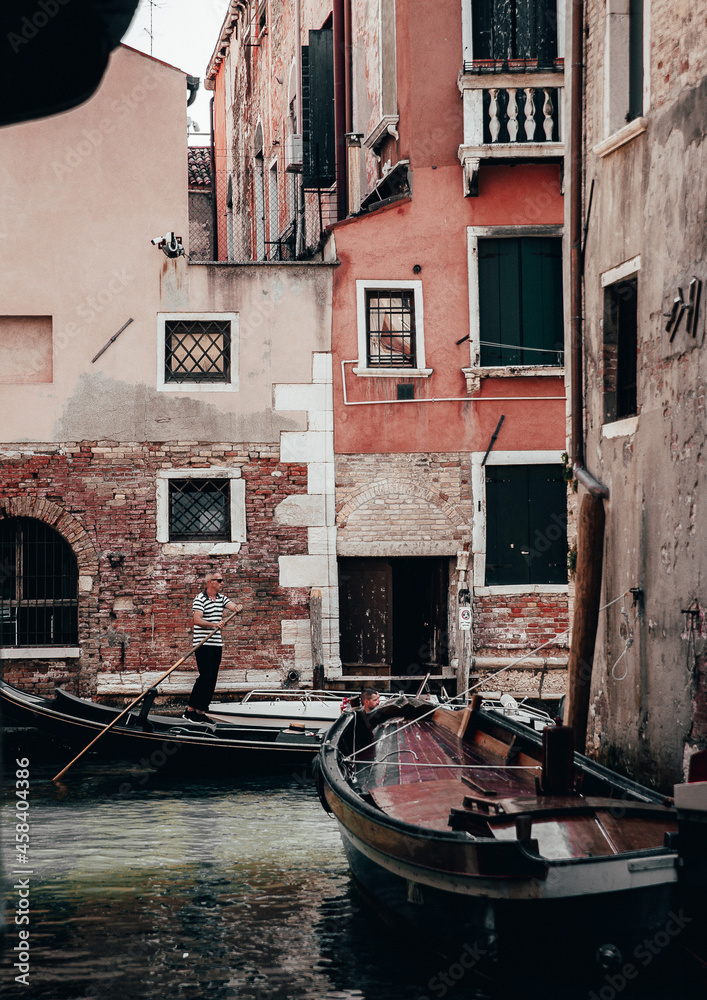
(184, 33)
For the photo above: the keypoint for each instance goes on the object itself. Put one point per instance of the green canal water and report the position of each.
(143, 885)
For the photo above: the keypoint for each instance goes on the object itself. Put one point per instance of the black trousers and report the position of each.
(208, 660)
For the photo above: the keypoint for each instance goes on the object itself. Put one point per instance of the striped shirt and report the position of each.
(211, 611)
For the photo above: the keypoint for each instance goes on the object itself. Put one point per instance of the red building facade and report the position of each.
(419, 146)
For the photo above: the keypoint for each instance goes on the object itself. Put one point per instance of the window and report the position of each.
(625, 90)
(620, 349)
(520, 301)
(524, 29)
(201, 510)
(38, 585)
(390, 328)
(526, 525)
(197, 351)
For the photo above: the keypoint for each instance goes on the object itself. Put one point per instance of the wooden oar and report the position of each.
(142, 695)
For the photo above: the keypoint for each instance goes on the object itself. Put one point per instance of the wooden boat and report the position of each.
(159, 739)
(317, 710)
(488, 836)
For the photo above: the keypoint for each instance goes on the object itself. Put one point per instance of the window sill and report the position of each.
(400, 373)
(200, 548)
(40, 653)
(197, 387)
(635, 128)
(620, 428)
(521, 588)
(388, 125)
(474, 375)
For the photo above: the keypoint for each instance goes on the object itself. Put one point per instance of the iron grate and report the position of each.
(199, 510)
(198, 351)
(390, 322)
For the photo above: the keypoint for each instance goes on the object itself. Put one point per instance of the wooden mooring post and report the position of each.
(590, 558)
(315, 621)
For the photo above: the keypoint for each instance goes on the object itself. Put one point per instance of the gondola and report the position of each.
(161, 739)
(486, 835)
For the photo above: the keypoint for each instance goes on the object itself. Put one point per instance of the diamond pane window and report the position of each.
(199, 510)
(197, 350)
(390, 327)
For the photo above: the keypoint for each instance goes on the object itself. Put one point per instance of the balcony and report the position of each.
(511, 112)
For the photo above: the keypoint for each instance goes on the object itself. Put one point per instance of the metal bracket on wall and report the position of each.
(114, 337)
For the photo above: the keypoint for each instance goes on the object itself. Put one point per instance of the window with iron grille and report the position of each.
(199, 510)
(390, 326)
(197, 350)
(39, 584)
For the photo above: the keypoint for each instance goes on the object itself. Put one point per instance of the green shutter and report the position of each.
(499, 301)
(318, 135)
(526, 525)
(541, 296)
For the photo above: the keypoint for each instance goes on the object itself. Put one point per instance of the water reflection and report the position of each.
(148, 887)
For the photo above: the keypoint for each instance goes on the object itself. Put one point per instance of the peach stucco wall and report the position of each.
(84, 193)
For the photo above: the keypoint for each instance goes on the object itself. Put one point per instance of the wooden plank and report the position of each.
(423, 806)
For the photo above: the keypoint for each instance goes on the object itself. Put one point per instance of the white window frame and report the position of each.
(616, 77)
(473, 235)
(419, 371)
(467, 45)
(478, 533)
(164, 386)
(237, 507)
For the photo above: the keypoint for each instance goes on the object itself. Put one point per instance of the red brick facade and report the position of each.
(100, 496)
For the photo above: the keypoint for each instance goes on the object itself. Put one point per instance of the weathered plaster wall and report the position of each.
(647, 706)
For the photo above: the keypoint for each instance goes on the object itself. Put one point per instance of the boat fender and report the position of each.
(319, 784)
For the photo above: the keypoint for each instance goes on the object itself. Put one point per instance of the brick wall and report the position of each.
(135, 600)
(413, 500)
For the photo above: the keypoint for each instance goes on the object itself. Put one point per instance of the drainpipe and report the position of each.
(298, 112)
(591, 519)
(576, 386)
(214, 192)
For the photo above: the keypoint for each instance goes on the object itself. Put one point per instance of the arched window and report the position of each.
(39, 585)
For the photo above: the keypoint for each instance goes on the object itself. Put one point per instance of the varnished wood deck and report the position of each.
(423, 774)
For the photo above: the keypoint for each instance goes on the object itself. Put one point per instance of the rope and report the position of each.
(628, 642)
(485, 680)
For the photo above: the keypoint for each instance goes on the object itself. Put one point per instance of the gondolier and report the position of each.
(209, 607)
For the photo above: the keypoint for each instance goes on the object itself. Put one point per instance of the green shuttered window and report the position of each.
(515, 29)
(318, 136)
(520, 301)
(526, 525)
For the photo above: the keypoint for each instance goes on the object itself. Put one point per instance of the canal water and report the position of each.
(143, 885)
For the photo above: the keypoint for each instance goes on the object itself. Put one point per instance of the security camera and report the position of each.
(170, 245)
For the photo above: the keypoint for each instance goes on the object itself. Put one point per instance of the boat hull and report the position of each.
(158, 741)
(499, 895)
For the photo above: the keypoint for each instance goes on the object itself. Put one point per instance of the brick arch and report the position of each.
(384, 487)
(64, 523)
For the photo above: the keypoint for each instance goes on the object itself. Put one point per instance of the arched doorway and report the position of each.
(39, 583)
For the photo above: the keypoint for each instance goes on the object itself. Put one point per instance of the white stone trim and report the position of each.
(388, 125)
(238, 520)
(478, 538)
(199, 387)
(314, 510)
(635, 128)
(39, 652)
(621, 271)
(415, 286)
(620, 428)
